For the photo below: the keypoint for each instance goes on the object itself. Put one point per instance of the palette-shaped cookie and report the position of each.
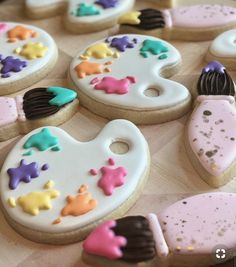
(81, 16)
(188, 23)
(27, 54)
(211, 130)
(36, 108)
(223, 49)
(123, 77)
(190, 232)
(55, 189)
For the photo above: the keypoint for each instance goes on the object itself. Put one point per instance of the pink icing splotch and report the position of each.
(112, 85)
(111, 178)
(3, 27)
(202, 16)
(8, 111)
(93, 172)
(212, 133)
(197, 224)
(103, 242)
(111, 161)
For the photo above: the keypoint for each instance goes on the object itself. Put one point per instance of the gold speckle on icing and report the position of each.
(98, 51)
(32, 50)
(50, 184)
(12, 202)
(178, 248)
(35, 201)
(190, 248)
(131, 18)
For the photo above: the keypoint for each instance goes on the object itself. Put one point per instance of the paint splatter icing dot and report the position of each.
(207, 113)
(93, 172)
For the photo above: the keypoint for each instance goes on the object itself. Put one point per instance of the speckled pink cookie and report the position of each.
(188, 233)
(211, 131)
(194, 23)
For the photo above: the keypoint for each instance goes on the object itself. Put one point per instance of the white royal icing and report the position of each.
(70, 168)
(224, 45)
(43, 3)
(33, 65)
(146, 71)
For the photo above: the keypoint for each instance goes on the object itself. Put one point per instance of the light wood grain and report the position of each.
(172, 175)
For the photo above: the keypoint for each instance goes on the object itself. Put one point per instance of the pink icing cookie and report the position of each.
(8, 110)
(196, 22)
(188, 233)
(211, 140)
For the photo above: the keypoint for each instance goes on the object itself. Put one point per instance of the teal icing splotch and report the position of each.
(42, 140)
(153, 47)
(62, 96)
(56, 148)
(163, 56)
(28, 153)
(86, 10)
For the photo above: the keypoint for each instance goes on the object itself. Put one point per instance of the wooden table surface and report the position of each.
(172, 176)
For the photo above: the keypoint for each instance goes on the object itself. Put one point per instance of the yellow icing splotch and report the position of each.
(50, 184)
(130, 18)
(32, 50)
(99, 51)
(33, 202)
(12, 202)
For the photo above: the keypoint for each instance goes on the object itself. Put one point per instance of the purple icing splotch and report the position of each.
(45, 167)
(107, 3)
(10, 64)
(24, 173)
(214, 66)
(122, 43)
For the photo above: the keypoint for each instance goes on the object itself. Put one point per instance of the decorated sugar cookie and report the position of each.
(190, 23)
(188, 233)
(36, 108)
(163, 3)
(82, 16)
(123, 77)
(223, 49)
(27, 54)
(211, 132)
(55, 189)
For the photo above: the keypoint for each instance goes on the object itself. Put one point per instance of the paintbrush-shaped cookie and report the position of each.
(190, 23)
(211, 131)
(188, 233)
(38, 107)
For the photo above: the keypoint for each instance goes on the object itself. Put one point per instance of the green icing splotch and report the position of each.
(42, 140)
(86, 10)
(153, 47)
(62, 96)
(163, 56)
(28, 153)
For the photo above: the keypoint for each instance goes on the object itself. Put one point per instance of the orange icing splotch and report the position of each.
(86, 68)
(79, 204)
(20, 33)
(57, 221)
